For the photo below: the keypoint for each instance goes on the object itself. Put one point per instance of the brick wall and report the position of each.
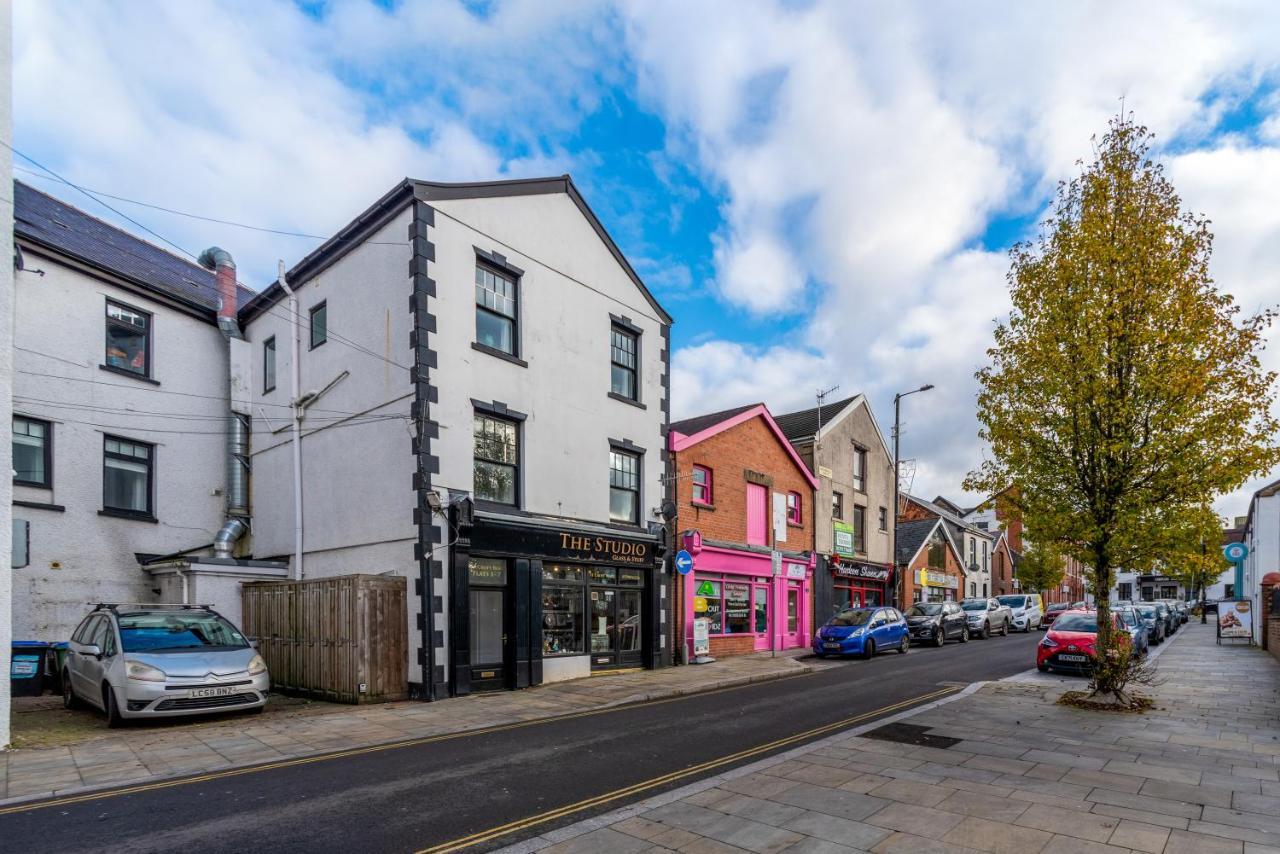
(727, 645)
(750, 445)
(953, 569)
(912, 511)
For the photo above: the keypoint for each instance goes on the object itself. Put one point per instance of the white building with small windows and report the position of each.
(483, 384)
(120, 424)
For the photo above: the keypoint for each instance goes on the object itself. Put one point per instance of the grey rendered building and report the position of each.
(854, 531)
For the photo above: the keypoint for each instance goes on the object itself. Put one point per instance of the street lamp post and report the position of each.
(897, 412)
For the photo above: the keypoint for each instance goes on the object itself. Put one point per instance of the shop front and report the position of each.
(844, 580)
(937, 586)
(534, 602)
(749, 606)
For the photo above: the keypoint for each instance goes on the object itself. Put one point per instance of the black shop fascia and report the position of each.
(843, 581)
(534, 599)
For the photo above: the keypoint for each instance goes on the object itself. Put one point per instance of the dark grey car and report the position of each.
(936, 623)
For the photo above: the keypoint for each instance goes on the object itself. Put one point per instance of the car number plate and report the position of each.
(830, 645)
(1073, 658)
(212, 692)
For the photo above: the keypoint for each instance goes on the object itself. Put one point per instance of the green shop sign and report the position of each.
(843, 538)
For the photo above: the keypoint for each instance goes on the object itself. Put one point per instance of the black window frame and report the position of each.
(837, 505)
(517, 481)
(47, 483)
(150, 512)
(510, 275)
(323, 305)
(859, 523)
(884, 519)
(860, 469)
(148, 337)
(269, 346)
(631, 334)
(638, 456)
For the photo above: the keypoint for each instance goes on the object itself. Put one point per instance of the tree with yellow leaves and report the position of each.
(1125, 389)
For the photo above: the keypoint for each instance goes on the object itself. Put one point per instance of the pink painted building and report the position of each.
(742, 494)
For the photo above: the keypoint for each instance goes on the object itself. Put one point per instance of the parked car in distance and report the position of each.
(1136, 626)
(936, 623)
(153, 661)
(1071, 643)
(864, 632)
(1026, 610)
(1151, 619)
(1052, 613)
(1165, 615)
(985, 616)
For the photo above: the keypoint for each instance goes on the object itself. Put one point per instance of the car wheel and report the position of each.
(985, 632)
(1004, 629)
(114, 718)
(869, 649)
(1043, 668)
(939, 637)
(964, 635)
(69, 698)
(905, 646)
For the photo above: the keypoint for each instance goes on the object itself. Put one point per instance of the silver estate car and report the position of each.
(148, 661)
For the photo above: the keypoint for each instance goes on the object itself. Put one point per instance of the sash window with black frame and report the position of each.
(127, 474)
(624, 487)
(269, 364)
(128, 339)
(497, 459)
(496, 310)
(319, 324)
(624, 349)
(32, 452)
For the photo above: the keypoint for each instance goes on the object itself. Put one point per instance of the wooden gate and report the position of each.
(343, 638)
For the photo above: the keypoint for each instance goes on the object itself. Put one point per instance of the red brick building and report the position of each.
(928, 562)
(742, 492)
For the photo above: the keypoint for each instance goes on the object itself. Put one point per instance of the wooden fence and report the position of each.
(343, 639)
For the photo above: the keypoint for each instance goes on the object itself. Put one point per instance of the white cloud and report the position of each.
(864, 147)
(720, 374)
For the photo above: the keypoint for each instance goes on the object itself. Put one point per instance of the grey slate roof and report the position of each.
(797, 426)
(698, 423)
(953, 521)
(910, 536)
(63, 228)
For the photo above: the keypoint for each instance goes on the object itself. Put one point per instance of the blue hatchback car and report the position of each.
(864, 632)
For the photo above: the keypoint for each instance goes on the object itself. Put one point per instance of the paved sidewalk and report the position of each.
(1001, 769)
(142, 753)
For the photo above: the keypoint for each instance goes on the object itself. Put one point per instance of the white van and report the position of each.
(1027, 610)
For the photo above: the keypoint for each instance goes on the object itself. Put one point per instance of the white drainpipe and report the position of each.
(295, 363)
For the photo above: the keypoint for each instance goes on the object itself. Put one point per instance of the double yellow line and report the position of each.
(356, 751)
(599, 800)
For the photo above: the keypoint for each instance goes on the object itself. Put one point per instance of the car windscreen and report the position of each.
(924, 609)
(1077, 623)
(168, 631)
(1130, 618)
(851, 618)
(1147, 611)
(980, 605)
(1012, 601)
(1058, 606)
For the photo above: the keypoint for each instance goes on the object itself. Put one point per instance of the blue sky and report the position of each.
(822, 193)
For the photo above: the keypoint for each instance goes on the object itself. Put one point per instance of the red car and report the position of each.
(1070, 642)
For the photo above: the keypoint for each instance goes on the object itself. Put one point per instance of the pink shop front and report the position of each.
(749, 608)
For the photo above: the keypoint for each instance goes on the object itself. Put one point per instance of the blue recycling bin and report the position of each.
(27, 668)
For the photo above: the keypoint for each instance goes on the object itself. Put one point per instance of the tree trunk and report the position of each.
(1103, 681)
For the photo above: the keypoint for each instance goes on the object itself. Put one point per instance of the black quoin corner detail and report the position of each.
(425, 464)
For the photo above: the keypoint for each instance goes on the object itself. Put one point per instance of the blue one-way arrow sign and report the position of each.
(684, 562)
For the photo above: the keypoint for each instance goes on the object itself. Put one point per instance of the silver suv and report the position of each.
(985, 616)
(147, 661)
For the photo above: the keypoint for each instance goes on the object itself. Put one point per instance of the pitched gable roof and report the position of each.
(911, 536)
(951, 517)
(803, 424)
(698, 423)
(377, 215)
(706, 426)
(49, 223)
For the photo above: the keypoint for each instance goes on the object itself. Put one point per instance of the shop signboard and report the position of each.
(701, 637)
(862, 569)
(842, 536)
(929, 578)
(795, 571)
(1235, 619)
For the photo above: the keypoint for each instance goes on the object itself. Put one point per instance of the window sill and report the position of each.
(493, 351)
(39, 505)
(128, 514)
(627, 400)
(791, 524)
(130, 374)
(698, 505)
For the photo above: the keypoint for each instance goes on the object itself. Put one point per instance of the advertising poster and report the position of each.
(843, 532)
(701, 636)
(1235, 619)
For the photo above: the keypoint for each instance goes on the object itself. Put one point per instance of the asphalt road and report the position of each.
(420, 796)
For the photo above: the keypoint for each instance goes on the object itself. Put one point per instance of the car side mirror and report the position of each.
(93, 649)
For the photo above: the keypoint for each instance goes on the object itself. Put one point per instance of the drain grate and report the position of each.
(911, 734)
